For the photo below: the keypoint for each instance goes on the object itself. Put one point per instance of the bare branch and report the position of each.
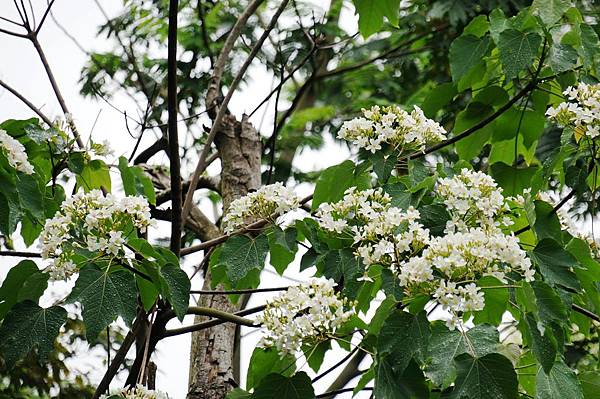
(11, 33)
(238, 292)
(210, 323)
(44, 16)
(21, 254)
(219, 67)
(175, 161)
(201, 166)
(27, 102)
(56, 89)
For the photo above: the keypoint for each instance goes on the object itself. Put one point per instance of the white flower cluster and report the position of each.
(93, 222)
(406, 132)
(445, 267)
(261, 204)
(384, 234)
(581, 112)
(15, 153)
(137, 392)
(473, 246)
(304, 315)
(472, 198)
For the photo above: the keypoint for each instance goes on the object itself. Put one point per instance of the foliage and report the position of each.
(466, 234)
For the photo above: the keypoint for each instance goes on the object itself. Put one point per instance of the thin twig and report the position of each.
(21, 254)
(26, 102)
(238, 292)
(331, 394)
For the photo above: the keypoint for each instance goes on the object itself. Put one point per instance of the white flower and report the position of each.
(581, 112)
(15, 153)
(392, 125)
(137, 392)
(91, 221)
(304, 314)
(261, 204)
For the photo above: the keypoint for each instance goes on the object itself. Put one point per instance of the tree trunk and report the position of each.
(212, 353)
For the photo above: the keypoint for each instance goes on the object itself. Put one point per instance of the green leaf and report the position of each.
(135, 181)
(383, 165)
(445, 345)
(370, 15)
(465, 52)
(176, 288)
(562, 57)
(513, 180)
(542, 345)
(550, 306)
(590, 383)
(273, 386)
(28, 326)
(496, 300)
(343, 266)
(315, 354)
(470, 146)
(434, 217)
(404, 336)
(589, 44)
(148, 292)
(560, 383)
(266, 361)
(489, 377)
(13, 283)
(104, 295)
(242, 254)
(555, 263)
(478, 26)
(517, 50)
(236, 393)
(547, 224)
(392, 384)
(333, 181)
(549, 11)
(31, 194)
(94, 175)
(282, 247)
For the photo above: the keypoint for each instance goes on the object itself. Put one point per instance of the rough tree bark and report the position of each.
(212, 352)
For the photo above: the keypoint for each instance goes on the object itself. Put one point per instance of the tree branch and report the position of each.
(175, 162)
(21, 254)
(586, 312)
(201, 166)
(238, 292)
(55, 88)
(210, 323)
(26, 102)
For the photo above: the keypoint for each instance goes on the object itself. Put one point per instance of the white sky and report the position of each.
(21, 68)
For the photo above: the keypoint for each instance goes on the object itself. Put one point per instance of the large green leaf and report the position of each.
(512, 179)
(393, 384)
(176, 288)
(496, 300)
(488, 377)
(241, 255)
(94, 175)
(135, 181)
(445, 345)
(560, 383)
(465, 52)
(404, 336)
(282, 247)
(344, 267)
(562, 57)
(549, 304)
(542, 345)
(333, 181)
(517, 50)
(104, 295)
(555, 263)
(274, 386)
(590, 383)
(267, 361)
(28, 326)
(15, 288)
(370, 14)
(549, 11)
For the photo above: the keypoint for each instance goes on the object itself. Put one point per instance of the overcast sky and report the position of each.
(20, 67)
